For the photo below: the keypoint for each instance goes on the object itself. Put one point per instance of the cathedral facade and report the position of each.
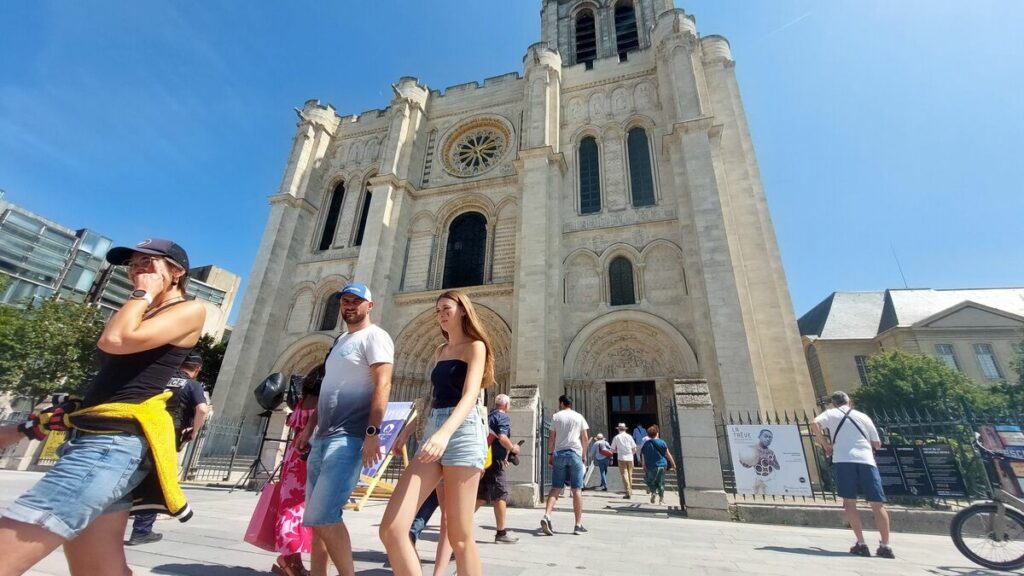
(602, 207)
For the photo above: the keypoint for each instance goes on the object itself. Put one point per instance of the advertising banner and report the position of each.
(1010, 440)
(768, 460)
(395, 416)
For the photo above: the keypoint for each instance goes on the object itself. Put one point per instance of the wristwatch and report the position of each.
(142, 295)
(372, 431)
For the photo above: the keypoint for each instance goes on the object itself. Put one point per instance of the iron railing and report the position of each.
(895, 427)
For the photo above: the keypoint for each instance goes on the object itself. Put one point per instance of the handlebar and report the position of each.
(997, 454)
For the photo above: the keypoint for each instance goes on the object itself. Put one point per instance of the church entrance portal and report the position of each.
(632, 403)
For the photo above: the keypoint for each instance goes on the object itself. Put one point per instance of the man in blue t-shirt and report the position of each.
(494, 484)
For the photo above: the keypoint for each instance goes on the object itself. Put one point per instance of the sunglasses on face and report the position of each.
(142, 263)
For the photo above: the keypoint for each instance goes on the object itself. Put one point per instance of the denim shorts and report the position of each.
(332, 472)
(567, 470)
(94, 475)
(468, 445)
(853, 478)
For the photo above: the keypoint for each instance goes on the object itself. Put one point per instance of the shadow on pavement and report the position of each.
(962, 571)
(205, 570)
(804, 551)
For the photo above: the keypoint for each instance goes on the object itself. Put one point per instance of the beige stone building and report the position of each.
(603, 207)
(977, 332)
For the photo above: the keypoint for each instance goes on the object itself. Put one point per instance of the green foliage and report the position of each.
(213, 355)
(898, 380)
(48, 348)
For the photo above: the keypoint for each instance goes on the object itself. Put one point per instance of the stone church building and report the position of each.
(602, 207)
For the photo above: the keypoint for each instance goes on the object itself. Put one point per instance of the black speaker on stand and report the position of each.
(269, 395)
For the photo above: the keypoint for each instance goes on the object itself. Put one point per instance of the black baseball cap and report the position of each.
(154, 246)
(193, 359)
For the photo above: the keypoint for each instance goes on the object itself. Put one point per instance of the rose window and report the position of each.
(476, 148)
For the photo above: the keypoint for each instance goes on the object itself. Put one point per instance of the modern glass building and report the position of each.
(43, 257)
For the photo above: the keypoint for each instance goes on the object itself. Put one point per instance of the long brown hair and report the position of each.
(474, 329)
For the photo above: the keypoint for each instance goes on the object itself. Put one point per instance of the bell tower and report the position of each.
(586, 30)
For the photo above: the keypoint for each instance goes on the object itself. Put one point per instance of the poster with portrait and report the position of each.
(1009, 440)
(768, 460)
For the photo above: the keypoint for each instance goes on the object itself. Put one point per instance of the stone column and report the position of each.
(536, 345)
(704, 492)
(254, 344)
(378, 266)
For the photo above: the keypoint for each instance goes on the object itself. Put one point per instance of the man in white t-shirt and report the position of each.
(625, 449)
(567, 438)
(353, 397)
(851, 438)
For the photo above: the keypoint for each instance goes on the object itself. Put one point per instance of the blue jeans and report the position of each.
(95, 475)
(602, 466)
(332, 472)
(567, 470)
(143, 524)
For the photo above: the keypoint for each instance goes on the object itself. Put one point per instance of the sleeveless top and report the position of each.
(133, 378)
(448, 379)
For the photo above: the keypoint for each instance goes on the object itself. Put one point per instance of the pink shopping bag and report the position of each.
(261, 527)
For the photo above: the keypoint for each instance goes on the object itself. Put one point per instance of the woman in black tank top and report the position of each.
(140, 349)
(465, 364)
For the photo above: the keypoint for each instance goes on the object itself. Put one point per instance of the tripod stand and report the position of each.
(252, 478)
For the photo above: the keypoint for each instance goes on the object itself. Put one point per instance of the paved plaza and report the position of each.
(618, 543)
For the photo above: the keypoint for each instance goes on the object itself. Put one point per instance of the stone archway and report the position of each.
(416, 344)
(626, 346)
(303, 355)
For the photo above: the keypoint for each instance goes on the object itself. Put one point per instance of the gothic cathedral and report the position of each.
(602, 207)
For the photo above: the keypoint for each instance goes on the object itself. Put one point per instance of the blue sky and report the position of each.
(879, 126)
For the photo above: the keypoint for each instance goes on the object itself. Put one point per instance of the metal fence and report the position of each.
(895, 427)
(225, 447)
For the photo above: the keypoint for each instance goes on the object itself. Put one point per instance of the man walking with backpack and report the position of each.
(850, 438)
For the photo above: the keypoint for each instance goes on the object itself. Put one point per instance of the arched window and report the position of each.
(626, 37)
(367, 197)
(620, 277)
(590, 176)
(464, 257)
(331, 222)
(329, 320)
(586, 38)
(641, 178)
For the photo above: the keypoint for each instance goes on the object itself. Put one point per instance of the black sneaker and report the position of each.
(147, 538)
(545, 525)
(505, 538)
(884, 552)
(860, 550)
(579, 530)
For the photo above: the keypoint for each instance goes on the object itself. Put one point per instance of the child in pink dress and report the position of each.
(291, 538)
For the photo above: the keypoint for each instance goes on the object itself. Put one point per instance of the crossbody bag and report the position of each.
(846, 416)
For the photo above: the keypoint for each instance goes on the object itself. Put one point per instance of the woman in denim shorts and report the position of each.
(456, 445)
(82, 503)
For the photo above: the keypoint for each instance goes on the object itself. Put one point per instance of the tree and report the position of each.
(898, 380)
(213, 355)
(48, 348)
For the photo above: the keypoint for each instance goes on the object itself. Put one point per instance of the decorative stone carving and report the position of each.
(645, 97)
(598, 106)
(577, 111)
(476, 147)
(620, 101)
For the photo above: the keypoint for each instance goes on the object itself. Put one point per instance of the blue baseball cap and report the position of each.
(358, 289)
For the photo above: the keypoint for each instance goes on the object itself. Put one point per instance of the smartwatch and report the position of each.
(142, 295)
(372, 431)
